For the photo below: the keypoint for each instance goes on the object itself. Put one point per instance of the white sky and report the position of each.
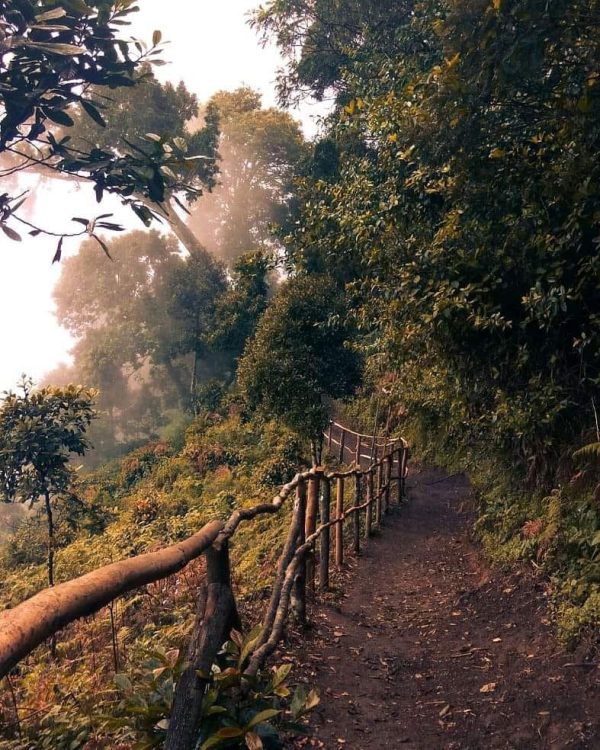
(210, 47)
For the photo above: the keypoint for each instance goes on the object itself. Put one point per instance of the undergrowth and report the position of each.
(154, 496)
(556, 530)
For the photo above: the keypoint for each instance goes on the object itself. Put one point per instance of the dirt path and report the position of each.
(430, 650)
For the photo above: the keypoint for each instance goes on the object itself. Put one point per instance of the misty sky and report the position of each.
(211, 48)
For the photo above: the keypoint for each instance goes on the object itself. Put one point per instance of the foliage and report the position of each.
(455, 192)
(241, 307)
(152, 327)
(300, 356)
(39, 430)
(260, 151)
(459, 193)
(155, 497)
(53, 54)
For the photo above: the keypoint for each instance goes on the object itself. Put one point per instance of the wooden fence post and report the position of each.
(369, 508)
(216, 616)
(388, 482)
(325, 535)
(312, 511)
(298, 597)
(399, 476)
(342, 445)
(330, 437)
(357, 454)
(339, 527)
(356, 517)
(403, 472)
(378, 498)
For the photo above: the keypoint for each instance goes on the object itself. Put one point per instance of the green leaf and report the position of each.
(51, 15)
(249, 642)
(262, 716)
(78, 6)
(281, 674)
(227, 733)
(58, 48)
(123, 682)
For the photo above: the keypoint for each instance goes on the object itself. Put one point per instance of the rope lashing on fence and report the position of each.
(30, 623)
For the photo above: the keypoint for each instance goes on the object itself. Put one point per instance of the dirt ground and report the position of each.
(429, 649)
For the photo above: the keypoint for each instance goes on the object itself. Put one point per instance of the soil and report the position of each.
(428, 648)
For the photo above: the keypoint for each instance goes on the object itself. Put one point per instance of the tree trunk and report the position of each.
(50, 518)
(314, 453)
(183, 233)
(177, 382)
(194, 380)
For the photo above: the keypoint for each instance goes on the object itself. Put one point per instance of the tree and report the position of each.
(300, 357)
(325, 41)
(39, 431)
(150, 310)
(160, 115)
(52, 53)
(239, 310)
(467, 188)
(260, 152)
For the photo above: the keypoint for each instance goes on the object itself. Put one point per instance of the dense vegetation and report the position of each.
(432, 255)
(456, 192)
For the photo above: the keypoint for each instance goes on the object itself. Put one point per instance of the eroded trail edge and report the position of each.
(430, 649)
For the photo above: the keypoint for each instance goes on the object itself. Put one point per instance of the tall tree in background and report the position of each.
(151, 326)
(165, 116)
(260, 152)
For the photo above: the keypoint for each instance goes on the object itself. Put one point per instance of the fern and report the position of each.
(590, 451)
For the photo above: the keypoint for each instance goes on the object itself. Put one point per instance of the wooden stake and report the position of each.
(325, 536)
(388, 482)
(378, 499)
(217, 615)
(399, 477)
(339, 527)
(298, 598)
(356, 515)
(342, 445)
(312, 511)
(369, 508)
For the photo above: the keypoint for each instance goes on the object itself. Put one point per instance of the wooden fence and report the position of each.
(309, 541)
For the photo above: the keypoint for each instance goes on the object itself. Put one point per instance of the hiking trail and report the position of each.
(431, 649)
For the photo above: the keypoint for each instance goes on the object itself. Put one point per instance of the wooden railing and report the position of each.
(29, 624)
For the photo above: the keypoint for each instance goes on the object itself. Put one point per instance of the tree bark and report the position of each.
(217, 615)
(28, 624)
(50, 519)
(183, 233)
(212, 628)
(177, 382)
